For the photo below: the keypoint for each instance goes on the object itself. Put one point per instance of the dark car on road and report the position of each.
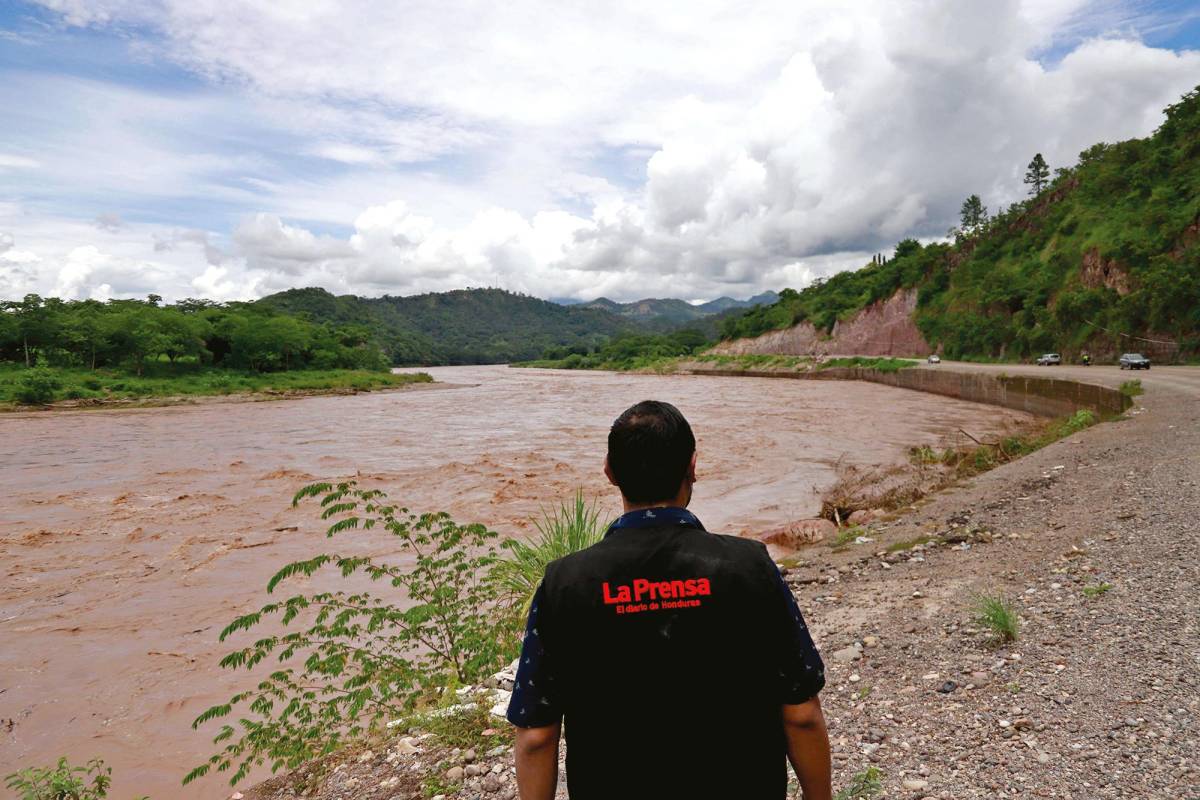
(1049, 359)
(1134, 361)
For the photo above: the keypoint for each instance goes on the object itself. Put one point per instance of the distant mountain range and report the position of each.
(676, 312)
(487, 326)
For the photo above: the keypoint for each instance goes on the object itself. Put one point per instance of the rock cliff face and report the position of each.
(1096, 271)
(881, 329)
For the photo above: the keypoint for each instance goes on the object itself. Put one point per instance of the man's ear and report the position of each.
(691, 473)
(608, 472)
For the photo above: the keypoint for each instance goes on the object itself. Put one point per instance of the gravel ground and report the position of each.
(1098, 696)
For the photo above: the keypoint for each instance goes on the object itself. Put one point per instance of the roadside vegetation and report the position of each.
(1098, 252)
(1132, 388)
(931, 469)
(881, 364)
(755, 361)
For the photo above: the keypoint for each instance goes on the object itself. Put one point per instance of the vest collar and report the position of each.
(668, 516)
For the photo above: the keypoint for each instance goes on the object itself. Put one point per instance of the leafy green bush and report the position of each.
(38, 386)
(1083, 418)
(353, 660)
(569, 528)
(62, 782)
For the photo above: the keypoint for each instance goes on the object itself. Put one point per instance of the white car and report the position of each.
(934, 359)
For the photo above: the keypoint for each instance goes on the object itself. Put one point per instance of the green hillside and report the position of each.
(671, 313)
(467, 326)
(1108, 251)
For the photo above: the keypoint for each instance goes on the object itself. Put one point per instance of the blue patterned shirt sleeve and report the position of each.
(801, 671)
(533, 704)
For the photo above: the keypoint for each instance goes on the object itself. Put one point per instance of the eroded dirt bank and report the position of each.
(1098, 697)
(130, 538)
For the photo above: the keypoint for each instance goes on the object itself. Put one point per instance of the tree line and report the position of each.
(134, 333)
(1100, 252)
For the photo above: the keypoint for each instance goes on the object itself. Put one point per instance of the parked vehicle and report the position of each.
(1049, 359)
(1134, 361)
(934, 359)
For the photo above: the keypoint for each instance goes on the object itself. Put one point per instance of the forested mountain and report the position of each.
(1104, 256)
(467, 326)
(668, 313)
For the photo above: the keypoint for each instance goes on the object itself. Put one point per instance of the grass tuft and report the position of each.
(573, 526)
(998, 615)
(1096, 590)
(909, 544)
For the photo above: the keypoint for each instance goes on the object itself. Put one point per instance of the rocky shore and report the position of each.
(1096, 542)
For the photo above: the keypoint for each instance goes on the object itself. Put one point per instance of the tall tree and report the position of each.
(1037, 175)
(973, 214)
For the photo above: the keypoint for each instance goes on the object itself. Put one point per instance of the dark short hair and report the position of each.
(649, 449)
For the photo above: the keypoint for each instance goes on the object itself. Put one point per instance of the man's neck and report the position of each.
(631, 507)
(680, 500)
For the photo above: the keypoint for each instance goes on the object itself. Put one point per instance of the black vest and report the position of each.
(667, 645)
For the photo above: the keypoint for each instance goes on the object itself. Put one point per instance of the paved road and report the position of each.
(1181, 379)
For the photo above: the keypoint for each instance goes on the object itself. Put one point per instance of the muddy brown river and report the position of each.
(129, 538)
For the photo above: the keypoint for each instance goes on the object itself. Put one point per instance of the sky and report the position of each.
(228, 149)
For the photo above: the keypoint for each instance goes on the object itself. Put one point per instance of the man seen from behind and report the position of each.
(677, 659)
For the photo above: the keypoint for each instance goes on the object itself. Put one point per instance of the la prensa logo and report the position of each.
(644, 590)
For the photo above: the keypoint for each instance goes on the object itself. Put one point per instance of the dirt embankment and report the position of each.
(881, 329)
(1094, 542)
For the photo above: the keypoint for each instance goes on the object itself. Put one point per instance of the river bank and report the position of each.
(130, 537)
(1092, 539)
(61, 389)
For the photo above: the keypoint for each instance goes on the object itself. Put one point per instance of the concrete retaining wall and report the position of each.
(1045, 397)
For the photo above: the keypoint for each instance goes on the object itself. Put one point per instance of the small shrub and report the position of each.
(62, 782)
(94, 384)
(352, 660)
(570, 528)
(1096, 590)
(998, 615)
(865, 784)
(1083, 418)
(923, 455)
(38, 386)
(1132, 388)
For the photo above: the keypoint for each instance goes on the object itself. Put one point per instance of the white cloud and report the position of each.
(9, 161)
(681, 149)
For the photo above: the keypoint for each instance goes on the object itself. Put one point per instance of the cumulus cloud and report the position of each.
(688, 150)
(109, 222)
